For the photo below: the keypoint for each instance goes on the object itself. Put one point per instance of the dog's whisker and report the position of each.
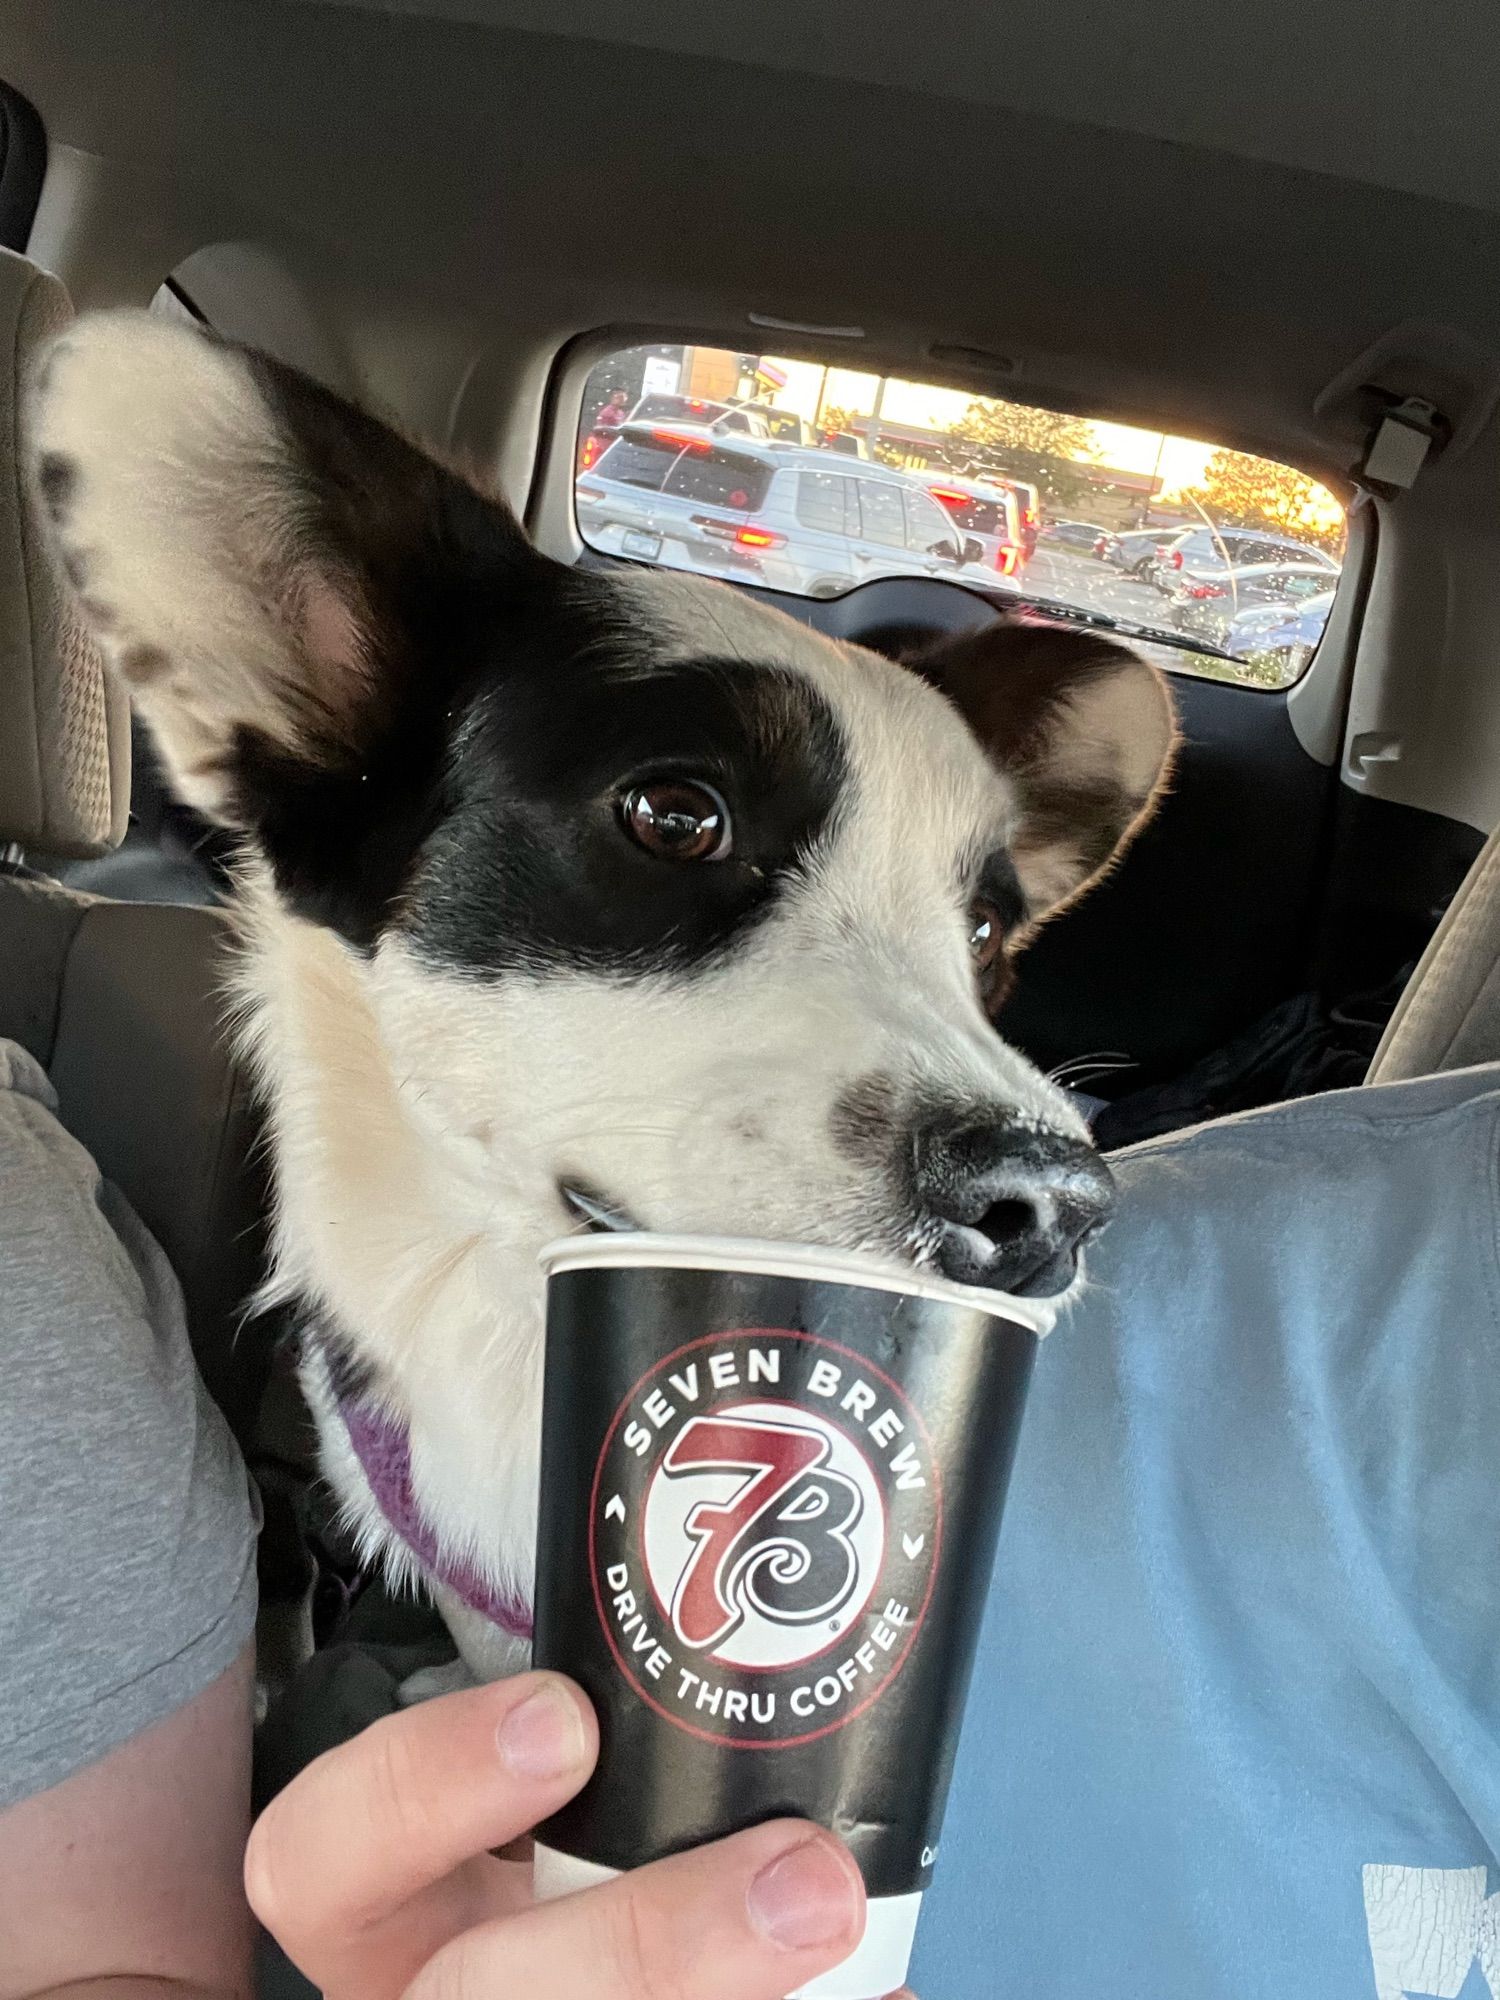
(1102, 1059)
(1070, 1076)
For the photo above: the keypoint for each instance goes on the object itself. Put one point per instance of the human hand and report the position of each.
(374, 1871)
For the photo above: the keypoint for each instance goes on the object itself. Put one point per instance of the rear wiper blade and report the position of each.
(1129, 628)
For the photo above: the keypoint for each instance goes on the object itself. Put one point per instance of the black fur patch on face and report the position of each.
(464, 786)
(449, 594)
(531, 866)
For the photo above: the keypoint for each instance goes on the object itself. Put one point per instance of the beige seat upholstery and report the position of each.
(119, 1002)
(1449, 1015)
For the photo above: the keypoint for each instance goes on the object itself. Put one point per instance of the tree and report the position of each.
(1043, 447)
(1239, 491)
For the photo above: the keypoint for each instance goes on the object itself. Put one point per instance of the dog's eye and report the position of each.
(678, 820)
(987, 937)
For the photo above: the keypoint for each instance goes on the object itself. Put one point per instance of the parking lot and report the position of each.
(1092, 585)
(812, 521)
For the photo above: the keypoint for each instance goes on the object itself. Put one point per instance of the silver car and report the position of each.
(811, 522)
(1208, 603)
(1201, 552)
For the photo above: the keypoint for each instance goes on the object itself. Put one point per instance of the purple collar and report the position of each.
(383, 1449)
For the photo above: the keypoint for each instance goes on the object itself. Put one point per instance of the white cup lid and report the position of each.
(633, 1249)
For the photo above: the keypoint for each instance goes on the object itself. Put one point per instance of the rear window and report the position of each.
(685, 409)
(974, 516)
(635, 464)
(1154, 523)
(684, 470)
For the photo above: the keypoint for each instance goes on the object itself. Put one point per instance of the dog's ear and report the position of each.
(1082, 728)
(283, 581)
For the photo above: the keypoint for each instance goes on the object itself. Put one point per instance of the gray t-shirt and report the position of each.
(127, 1525)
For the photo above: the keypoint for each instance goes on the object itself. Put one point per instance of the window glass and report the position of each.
(880, 513)
(637, 464)
(718, 479)
(679, 465)
(974, 515)
(926, 524)
(822, 501)
(677, 409)
(1212, 561)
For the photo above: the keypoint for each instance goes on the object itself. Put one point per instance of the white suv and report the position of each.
(811, 522)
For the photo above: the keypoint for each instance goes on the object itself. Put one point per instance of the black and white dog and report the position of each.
(572, 897)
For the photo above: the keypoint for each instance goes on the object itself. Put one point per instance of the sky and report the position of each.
(1120, 446)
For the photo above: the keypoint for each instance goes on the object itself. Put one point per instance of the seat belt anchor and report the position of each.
(1400, 445)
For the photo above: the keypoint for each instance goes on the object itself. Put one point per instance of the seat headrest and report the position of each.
(64, 724)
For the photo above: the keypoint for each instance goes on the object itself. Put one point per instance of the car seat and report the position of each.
(120, 1002)
(1448, 1016)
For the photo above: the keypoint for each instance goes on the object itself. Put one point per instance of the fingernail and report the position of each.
(805, 1897)
(543, 1738)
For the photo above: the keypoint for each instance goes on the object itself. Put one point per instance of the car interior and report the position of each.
(455, 210)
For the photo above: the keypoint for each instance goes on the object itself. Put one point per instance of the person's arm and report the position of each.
(124, 1881)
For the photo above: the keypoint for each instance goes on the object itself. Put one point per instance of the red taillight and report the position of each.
(591, 448)
(1007, 559)
(1177, 558)
(1206, 590)
(950, 496)
(678, 442)
(1028, 518)
(747, 538)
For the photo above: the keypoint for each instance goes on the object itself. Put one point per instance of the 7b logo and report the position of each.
(763, 1535)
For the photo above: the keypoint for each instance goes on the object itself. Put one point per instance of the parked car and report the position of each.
(1081, 536)
(1027, 498)
(753, 511)
(1210, 550)
(662, 407)
(1207, 605)
(1131, 550)
(1031, 513)
(991, 513)
(1279, 638)
(745, 419)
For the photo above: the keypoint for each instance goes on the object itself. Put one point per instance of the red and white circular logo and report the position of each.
(765, 1527)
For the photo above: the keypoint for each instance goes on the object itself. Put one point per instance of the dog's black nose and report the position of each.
(1016, 1201)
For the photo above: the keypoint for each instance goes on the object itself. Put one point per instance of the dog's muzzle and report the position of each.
(1014, 1202)
(1006, 1204)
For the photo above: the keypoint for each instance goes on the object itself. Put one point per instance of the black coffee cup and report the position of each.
(771, 1484)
